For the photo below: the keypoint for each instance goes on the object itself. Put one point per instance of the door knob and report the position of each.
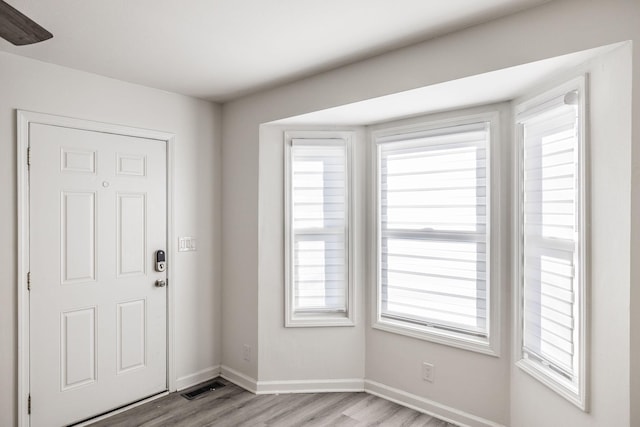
(161, 283)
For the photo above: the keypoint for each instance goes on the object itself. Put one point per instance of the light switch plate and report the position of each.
(186, 244)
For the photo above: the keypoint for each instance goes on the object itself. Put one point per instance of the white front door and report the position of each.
(98, 321)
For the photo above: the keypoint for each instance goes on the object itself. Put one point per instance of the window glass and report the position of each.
(433, 228)
(552, 240)
(318, 228)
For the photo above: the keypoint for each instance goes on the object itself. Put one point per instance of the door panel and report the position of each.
(132, 322)
(98, 322)
(131, 217)
(78, 232)
(78, 344)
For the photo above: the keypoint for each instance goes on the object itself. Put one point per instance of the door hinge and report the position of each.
(28, 156)
(29, 281)
(29, 405)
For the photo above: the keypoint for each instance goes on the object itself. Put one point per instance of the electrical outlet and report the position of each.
(428, 372)
(246, 353)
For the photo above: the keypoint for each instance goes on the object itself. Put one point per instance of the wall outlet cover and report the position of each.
(428, 372)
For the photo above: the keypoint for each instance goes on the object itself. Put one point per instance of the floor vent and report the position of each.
(214, 385)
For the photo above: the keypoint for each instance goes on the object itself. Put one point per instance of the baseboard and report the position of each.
(197, 377)
(290, 386)
(310, 386)
(421, 404)
(438, 410)
(239, 379)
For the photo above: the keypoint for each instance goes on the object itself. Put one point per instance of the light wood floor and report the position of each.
(234, 407)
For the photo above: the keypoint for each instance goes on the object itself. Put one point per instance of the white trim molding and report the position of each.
(24, 119)
(291, 386)
(197, 377)
(239, 379)
(412, 401)
(427, 406)
(311, 386)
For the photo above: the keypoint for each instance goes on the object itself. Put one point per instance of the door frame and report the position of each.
(24, 120)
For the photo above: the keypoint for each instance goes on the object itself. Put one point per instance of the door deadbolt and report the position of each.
(161, 261)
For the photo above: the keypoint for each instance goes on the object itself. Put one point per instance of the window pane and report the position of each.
(435, 282)
(550, 228)
(319, 272)
(319, 226)
(433, 228)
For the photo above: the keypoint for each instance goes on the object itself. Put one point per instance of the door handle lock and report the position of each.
(161, 283)
(161, 261)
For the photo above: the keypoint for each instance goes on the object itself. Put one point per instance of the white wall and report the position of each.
(37, 86)
(239, 241)
(554, 29)
(302, 353)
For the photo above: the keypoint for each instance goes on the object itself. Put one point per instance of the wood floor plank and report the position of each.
(334, 414)
(360, 406)
(301, 415)
(284, 406)
(406, 417)
(377, 411)
(231, 406)
(343, 421)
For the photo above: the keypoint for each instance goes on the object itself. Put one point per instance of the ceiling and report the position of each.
(222, 49)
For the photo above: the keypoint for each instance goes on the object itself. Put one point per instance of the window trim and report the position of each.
(537, 369)
(319, 318)
(490, 113)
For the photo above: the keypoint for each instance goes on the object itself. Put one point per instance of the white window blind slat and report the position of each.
(555, 130)
(541, 313)
(560, 339)
(419, 253)
(433, 165)
(432, 198)
(463, 136)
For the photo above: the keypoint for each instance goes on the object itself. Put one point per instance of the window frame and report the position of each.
(491, 113)
(535, 368)
(319, 318)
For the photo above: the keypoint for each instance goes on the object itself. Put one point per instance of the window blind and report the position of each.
(319, 225)
(433, 228)
(550, 208)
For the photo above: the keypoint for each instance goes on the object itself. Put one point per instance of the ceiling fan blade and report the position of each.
(19, 29)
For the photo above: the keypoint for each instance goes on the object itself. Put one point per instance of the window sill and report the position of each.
(311, 320)
(452, 339)
(554, 381)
